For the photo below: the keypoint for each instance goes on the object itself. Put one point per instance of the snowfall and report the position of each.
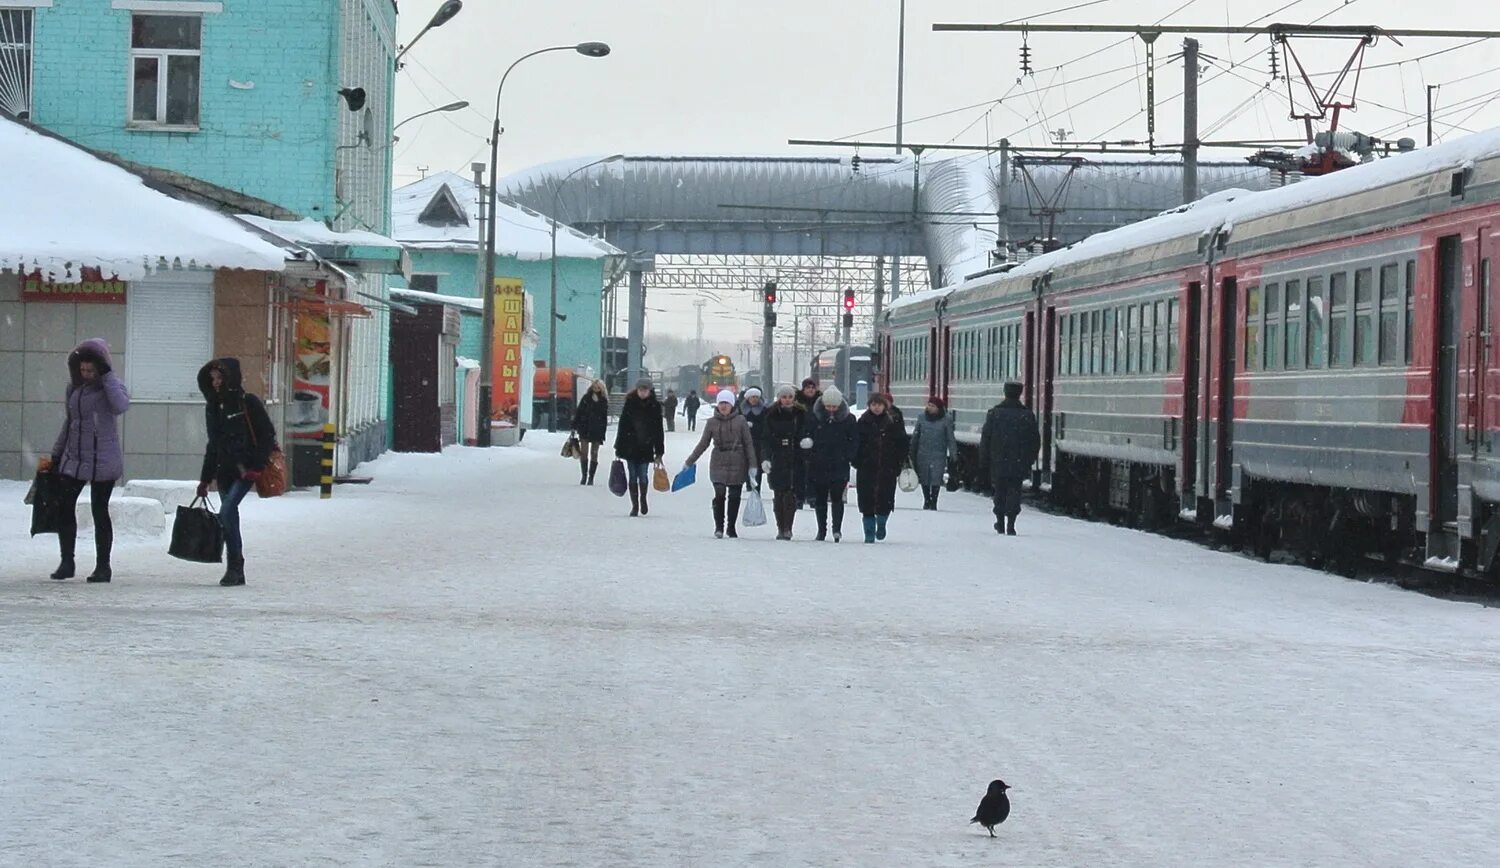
(473, 660)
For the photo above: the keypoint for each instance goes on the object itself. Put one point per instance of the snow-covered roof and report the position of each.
(474, 304)
(521, 232)
(311, 232)
(926, 296)
(65, 210)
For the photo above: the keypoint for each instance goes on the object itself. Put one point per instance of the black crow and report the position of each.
(993, 808)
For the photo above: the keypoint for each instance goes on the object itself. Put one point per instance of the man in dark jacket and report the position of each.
(835, 444)
(669, 410)
(640, 442)
(240, 439)
(1007, 449)
(690, 406)
(782, 456)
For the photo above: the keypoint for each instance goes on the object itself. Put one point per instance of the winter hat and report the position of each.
(1013, 391)
(785, 390)
(726, 396)
(809, 382)
(643, 383)
(832, 397)
(752, 392)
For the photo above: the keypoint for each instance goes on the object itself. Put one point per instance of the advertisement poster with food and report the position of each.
(510, 324)
(313, 370)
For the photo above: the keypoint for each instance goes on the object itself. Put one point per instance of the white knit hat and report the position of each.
(752, 392)
(785, 390)
(832, 397)
(726, 396)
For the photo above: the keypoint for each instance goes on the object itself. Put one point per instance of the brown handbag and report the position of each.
(272, 479)
(659, 480)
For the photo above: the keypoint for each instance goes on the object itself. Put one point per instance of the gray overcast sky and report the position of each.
(743, 76)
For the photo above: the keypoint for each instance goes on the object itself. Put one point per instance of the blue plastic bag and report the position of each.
(685, 477)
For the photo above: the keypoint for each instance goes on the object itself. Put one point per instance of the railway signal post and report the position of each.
(768, 296)
(848, 327)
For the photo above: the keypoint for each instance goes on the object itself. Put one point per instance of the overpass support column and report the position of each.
(636, 326)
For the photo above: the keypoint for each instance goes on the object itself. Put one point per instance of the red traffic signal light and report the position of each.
(770, 292)
(849, 301)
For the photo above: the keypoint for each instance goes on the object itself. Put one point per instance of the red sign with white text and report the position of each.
(93, 289)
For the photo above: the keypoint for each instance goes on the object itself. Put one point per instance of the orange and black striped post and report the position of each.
(326, 483)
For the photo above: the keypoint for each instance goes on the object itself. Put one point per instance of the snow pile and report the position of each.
(66, 210)
(169, 493)
(131, 516)
(521, 232)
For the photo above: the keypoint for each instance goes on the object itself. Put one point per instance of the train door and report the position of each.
(1049, 372)
(945, 366)
(934, 358)
(1445, 419)
(1479, 344)
(1224, 441)
(1028, 364)
(1190, 341)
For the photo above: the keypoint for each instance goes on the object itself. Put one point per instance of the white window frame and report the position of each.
(161, 55)
(27, 85)
(163, 368)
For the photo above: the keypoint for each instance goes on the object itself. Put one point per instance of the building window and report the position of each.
(15, 62)
(165, 55)
(169, 332)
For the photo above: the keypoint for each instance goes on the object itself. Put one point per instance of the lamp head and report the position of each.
(592, 49)
(445, 13)
(455, 106)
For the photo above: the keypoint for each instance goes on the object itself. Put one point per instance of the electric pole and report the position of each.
(1431, 89)
(1189, 120)
(698, 339)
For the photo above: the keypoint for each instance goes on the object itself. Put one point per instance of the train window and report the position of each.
(1292, 324)
(1411, 294)
(1390, 314)
(1109, 342)
(1096, 341)
(1062, 344)
(1132, 324)
(1338, 320)
(1317, 316)
(1253, 316)
(1077, 344)
(1160, 337)
(1144, 353)
(1364, 317)
(1172, 326)
(1273, 326)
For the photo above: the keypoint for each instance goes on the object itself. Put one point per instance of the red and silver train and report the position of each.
(1309, 367)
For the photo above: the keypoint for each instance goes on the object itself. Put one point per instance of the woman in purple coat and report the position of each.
(87, 452)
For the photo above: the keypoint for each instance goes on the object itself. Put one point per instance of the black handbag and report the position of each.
(47, 503)
(197, 535)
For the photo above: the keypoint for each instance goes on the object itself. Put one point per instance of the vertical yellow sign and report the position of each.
(510, 313)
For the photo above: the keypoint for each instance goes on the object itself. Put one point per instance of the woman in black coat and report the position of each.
(590, 420)
(782, 456)
(883, 447)
(754, 408)
(240, 440)
(835, 437)
(640, 442)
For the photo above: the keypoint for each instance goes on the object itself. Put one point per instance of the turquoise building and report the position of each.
(287, 102)
(436, 220)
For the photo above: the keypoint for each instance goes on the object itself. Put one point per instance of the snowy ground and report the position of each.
(474, 661)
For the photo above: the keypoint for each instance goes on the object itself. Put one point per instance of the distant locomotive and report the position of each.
(828, 368)
(718, 373)
(1309, 367)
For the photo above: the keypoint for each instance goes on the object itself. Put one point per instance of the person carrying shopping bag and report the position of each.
(87, 454)
(240, 440)
(733, 458)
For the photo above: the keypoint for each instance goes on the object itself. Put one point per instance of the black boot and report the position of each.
(734, 514)
(1010, 525)
(102, 572)
(820, 508)
(936, 491)
(719, 514)
(104, 542)
(66, 569)
(635, 499)
(583, 472)
(593, 466)
(645, 507)
(235, 575)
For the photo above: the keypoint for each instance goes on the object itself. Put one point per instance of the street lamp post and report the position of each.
(442, 16)
(552, 326)
(487, 354)
(450, 107)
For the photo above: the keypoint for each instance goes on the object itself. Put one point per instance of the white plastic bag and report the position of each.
(754, 513)
(908, 479)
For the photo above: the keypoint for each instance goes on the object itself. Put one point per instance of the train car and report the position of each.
(689, 378)
(716, 373)
(909, 345)
(1307, 367)
(828, 368)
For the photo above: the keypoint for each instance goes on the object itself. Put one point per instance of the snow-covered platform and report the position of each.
(475, 660)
